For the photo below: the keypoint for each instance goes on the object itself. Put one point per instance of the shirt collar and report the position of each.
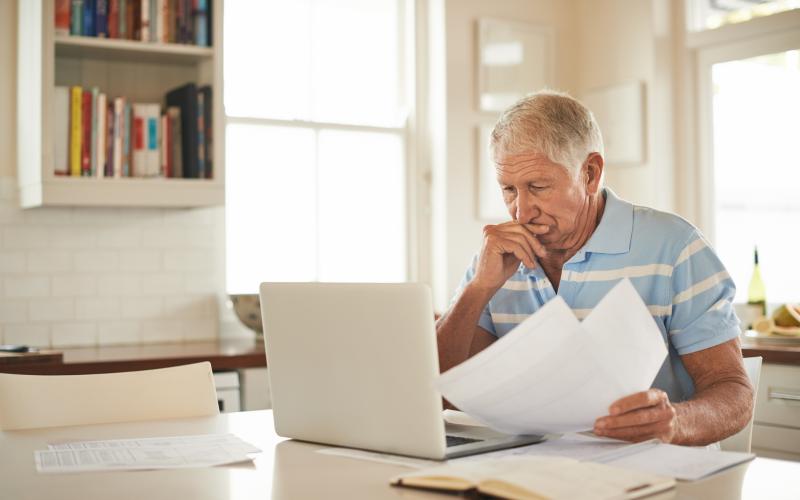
(613, 234)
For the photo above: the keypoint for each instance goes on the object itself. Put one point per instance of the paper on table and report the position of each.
(553, 374)
(147, 453)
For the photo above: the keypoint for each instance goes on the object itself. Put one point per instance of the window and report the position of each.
(756, 170)
(315, 141)
(711, 14)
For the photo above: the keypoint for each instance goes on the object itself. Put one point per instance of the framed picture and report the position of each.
(620, 113)
(491, 207)
(514, 59)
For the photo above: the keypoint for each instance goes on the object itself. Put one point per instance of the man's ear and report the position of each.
(593, 172)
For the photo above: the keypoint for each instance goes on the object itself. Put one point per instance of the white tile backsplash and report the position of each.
(107, 276)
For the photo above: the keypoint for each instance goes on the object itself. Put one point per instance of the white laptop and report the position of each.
(354, 365)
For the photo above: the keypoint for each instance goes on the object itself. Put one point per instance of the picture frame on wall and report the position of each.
(514, 59)
(620, 112)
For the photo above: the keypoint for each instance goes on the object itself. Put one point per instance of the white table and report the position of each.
(286, 469)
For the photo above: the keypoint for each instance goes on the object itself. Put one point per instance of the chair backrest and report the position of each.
(32, 401)
(741, 440)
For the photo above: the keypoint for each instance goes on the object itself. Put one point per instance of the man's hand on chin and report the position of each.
(639, 417)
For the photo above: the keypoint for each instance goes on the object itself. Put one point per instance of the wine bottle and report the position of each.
(755, 292)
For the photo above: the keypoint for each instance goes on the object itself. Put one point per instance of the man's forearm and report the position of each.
(455, 330)
(715, 413)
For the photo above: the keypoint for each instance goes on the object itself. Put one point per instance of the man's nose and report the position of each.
(527, 210)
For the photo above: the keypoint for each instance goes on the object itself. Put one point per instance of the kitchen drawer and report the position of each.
(777, 438)
(778, 399)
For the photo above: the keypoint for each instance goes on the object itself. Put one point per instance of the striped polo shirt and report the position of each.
(676, 272)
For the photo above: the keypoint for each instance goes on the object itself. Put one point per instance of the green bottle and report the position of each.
(755, 292)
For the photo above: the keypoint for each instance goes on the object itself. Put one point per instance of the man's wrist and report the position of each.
(477, 291)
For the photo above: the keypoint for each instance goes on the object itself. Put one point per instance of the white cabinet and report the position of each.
(140, 71)
(255, 389)
(228, 395)
(776, 427)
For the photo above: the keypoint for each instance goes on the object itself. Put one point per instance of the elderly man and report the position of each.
(568, 235)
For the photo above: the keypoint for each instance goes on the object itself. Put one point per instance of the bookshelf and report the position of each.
(140, 71)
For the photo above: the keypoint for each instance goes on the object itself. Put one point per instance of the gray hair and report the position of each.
(551, 123)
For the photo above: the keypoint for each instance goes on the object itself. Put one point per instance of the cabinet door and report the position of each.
(255, 389)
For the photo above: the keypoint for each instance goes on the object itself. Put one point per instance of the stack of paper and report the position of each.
(146, 453)
(554, 374)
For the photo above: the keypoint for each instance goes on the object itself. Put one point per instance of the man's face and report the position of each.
(538, 191)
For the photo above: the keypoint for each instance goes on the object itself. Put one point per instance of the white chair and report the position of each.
(33, 401)
(741, 440)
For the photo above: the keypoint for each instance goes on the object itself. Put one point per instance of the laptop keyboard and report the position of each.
(457, 440)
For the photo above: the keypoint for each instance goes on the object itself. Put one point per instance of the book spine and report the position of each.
(102, 99)
(132, 19)
(126, 142)
(86, 139)
(109, 165)
(101, 20)
(164, 146)
(113, 18)
(76, 18)
(200, 23)
(163, 25)
(144, 16)
(119, 115)
(62, 133)
(62, 17)
(122, 19)
(177, 141)
(208, 121)
(138, 142)
(93, 138)
(154, 20)
(153, 158)
(89, 13)
(76, 131)
(201, 136)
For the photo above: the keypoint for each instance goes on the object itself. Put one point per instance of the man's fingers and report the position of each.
(525, 244)
(512, 247)
(635, 418)
(643, 399)
(640, 432)
(536, 228)
(524, 231)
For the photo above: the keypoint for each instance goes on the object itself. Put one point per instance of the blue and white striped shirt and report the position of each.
(674, 269)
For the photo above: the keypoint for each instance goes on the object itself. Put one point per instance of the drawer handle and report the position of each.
(784, 395)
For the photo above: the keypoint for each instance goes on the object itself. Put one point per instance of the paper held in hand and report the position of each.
(554, 374)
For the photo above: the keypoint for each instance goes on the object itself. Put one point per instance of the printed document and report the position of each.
(144, 453)
(554, 374)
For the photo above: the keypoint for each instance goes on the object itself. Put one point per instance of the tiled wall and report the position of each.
(101, 276)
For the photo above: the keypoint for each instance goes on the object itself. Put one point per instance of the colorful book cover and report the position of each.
(137, 156)
(144, 23)
(201, 23)
(86, 138)
(89, 16)
(62, 17)
(93, 139)
(185, 97)
(123, 19)
(61, 131)
(101, 18)
(76, 18)
(201, 136)
(126, 141)
(164, 150)
(176, 152)
(76, 131)
(119, 116)
(208, 122)
(154, 15)
(102, 100)
(113, 18)
(109, 166)
(153, 157)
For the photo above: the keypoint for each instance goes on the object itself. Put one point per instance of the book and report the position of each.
(119, 117)
(86, 137)
(113, 18)
(201, 135)
(144, 20)
(101, 18)
(108, 167)
(123, 32)
(75, 130)
(100, 162)
(93, 140)
(146, 159)
(532, 477)
(174, 114)
(62, 17)
(200, 23)
(76, 18)
(89, 16)
(208, 127)
(126, 141)
(154, 20)
(61, 143)
(185, 98)
(166, 162)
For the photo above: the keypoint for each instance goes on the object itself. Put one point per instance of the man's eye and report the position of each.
(508, 189)
(536, 187)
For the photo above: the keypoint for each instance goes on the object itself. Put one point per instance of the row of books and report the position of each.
(99, 136)
(165, 21)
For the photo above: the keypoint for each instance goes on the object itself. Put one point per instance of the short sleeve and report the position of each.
(702, 299)
(485, 320)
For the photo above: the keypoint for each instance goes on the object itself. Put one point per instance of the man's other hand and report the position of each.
(504, 247)
(639, 417)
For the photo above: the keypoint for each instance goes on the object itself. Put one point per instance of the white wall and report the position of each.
(90, 276)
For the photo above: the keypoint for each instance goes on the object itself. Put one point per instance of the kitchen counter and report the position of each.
(785, 354)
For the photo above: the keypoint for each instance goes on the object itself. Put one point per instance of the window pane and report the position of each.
(711, 14)
(355, 62)
(361, 207)
(267, 47)
(757, 170)
(270, 197)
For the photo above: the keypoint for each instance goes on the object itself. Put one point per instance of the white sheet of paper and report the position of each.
(554, 374)
(681, 462)
(145, 453)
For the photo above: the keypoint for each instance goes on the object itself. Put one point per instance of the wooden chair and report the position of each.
(742, 439)
(33, 401)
